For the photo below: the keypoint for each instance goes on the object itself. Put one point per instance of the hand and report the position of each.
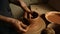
(18, 24)
(35, 21)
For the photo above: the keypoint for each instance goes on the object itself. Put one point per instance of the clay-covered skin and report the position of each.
(36, 24)
(53, 17)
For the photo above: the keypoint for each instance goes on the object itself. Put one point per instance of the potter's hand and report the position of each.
(18, 24)
(36, 24)
(24, 6)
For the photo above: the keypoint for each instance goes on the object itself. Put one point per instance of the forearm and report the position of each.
(7, 19)
(24, 5)
(20, 3)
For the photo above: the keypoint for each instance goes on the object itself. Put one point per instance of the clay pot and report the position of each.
(36, 24)
(55, 27)
(50, 30)
(53, 17)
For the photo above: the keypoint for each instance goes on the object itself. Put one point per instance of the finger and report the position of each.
(21, 28)
(30, 16)
(23, 25)
(25, 15)
(24, 30)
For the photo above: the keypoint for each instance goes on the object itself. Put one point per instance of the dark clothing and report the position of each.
(6, 28)
(4, 7)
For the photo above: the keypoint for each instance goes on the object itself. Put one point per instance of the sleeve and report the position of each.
(14, 2)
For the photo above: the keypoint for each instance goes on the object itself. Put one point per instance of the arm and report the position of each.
(20, 3)
(24, 5)
(18, 24)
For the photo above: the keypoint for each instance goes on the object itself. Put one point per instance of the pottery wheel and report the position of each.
(37, 27)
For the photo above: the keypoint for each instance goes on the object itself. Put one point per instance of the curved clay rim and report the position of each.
(53, 17)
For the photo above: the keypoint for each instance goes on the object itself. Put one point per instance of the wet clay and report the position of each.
(36, 24)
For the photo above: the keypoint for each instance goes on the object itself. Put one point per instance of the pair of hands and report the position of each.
(15, 22)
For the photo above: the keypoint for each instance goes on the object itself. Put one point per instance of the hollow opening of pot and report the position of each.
(34, 15)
